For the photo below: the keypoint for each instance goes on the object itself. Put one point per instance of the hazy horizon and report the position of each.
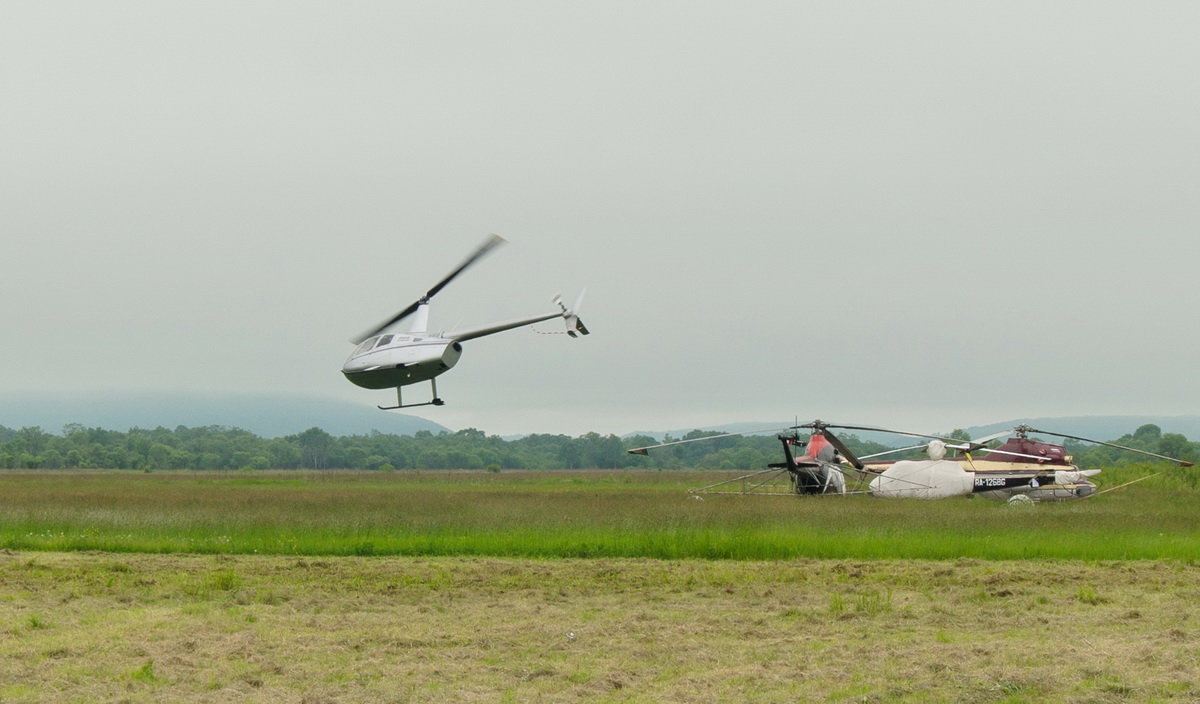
(929, 215)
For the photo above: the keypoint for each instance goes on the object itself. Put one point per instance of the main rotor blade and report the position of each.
(645, 450)
(969, 447)
(490, 243)
(1181, 463)
(981, 443)
(993, 436)
(894, 451)
(1005, 452)
(894, 432)
(358, 339)
(841, 447)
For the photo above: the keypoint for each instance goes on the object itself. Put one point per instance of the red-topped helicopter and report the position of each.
(1021, 469)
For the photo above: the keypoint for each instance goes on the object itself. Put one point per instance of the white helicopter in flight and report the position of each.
(383, 361)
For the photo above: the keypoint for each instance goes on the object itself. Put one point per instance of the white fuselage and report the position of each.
(387, 361)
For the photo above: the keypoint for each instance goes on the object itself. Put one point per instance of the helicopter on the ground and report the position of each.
(1022, 469)
(383, 361)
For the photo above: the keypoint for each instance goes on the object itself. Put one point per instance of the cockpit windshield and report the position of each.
(373, 343)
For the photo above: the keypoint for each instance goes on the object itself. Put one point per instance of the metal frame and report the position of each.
(774, 483)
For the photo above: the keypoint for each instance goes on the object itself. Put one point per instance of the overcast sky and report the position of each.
(923, 214)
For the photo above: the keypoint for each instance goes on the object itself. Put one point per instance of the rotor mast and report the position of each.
(420, 317)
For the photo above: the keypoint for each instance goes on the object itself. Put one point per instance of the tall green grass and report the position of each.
(565, 514)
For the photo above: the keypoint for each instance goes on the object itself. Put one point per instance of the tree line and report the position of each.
(224, 448)
(219, 447)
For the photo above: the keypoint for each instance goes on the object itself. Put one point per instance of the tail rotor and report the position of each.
(575, 326)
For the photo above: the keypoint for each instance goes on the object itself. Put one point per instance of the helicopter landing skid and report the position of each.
(401, 404)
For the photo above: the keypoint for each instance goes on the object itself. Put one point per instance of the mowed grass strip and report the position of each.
(92, 627)
(563, 514)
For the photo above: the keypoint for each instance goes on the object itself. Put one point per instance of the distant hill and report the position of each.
(266, 415)
(1098, 427)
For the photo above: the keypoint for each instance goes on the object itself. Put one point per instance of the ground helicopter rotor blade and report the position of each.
(972, 446)
(1003, 452)
(1181, 463)
(645, 450)
(894, 451)
(819, 425)
(490, 243)
(841, 447)
(887, 430)
(979, 443)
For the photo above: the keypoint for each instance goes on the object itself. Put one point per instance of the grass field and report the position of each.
(94, 627)
(315, 588)
(563, 514)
